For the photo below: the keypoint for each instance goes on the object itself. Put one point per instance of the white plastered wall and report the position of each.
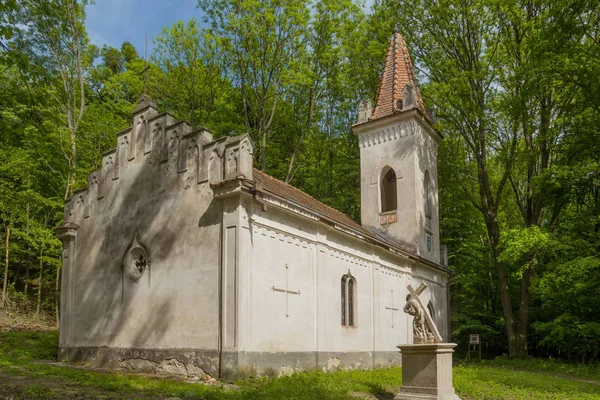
(406, 143)
(317, 256)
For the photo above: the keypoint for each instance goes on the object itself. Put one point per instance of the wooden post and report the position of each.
(39, 294)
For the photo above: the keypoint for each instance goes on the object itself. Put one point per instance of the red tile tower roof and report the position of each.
(398, 72)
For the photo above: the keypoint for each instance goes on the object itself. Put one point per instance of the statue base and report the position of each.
(427, 372)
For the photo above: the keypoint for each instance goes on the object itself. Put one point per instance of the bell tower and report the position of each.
(398, 159)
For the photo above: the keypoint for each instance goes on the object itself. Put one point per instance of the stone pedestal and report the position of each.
(427, 372)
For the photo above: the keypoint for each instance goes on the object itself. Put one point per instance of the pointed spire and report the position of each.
(398, 72)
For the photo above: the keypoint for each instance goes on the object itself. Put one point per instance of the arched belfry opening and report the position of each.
(389, 193)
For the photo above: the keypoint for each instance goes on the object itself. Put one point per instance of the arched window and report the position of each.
(388, 190)
(428, 198)
(348, 300)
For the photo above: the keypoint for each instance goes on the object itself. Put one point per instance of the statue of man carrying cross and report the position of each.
(424, 329)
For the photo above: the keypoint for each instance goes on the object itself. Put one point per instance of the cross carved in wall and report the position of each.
(392, 308)
(286, 291)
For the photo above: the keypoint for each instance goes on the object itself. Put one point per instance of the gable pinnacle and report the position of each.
(398, 73)
(144, 102)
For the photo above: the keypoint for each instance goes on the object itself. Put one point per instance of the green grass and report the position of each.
(581, 371)
(24, 375)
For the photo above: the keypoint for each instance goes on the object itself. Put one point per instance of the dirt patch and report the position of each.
(14, 321)
(369, 396)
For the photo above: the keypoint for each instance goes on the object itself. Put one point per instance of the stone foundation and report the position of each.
(185, 362)
(232, 365)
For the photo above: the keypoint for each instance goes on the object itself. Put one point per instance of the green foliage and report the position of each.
(519, 164)
(520, 243)
(194, 85)
(514, 85)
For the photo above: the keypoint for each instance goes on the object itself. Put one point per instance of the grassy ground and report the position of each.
(26, 373)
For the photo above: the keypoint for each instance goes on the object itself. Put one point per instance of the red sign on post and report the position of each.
(474, 338)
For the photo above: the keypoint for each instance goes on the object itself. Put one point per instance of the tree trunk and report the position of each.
(39, 293)
(26, 276)
(304, 133)
(27, 256)
(16, 277)
(5, 284)
(524, 308)
(507, 310)
(263, 151)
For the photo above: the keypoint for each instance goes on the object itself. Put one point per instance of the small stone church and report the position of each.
(179, 256)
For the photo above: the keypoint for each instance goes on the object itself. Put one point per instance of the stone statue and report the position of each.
(365, 110)
(409, 97)
(424, 329)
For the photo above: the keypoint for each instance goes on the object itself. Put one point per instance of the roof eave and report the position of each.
(359, 128)
(242, 186)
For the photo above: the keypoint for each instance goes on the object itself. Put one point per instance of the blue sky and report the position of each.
(113, 22)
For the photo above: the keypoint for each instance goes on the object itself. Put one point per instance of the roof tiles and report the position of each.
(398, 72)
(288, 192)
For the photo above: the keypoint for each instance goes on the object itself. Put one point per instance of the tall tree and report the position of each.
(56, 34)
(317, 65)
(195, 69)
(456, 43)
(261, 39)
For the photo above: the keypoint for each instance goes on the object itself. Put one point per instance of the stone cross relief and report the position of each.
(286, 291)
(392, 308)
(424, 329)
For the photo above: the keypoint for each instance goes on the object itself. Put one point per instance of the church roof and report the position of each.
(288, 192)
(398, 71)
(282, 190)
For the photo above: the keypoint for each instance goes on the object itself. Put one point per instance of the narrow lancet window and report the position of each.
(388, 190)
(348, 300)
(344, 293)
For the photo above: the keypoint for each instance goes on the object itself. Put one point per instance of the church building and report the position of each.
(179, 256)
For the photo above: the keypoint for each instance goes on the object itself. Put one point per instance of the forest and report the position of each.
(515, 86)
